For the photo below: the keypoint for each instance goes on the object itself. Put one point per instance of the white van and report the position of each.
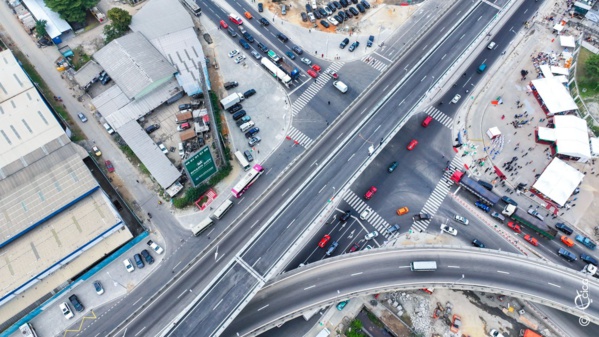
(491, 46)
(108, 128)
(341, 86)
(246, 126)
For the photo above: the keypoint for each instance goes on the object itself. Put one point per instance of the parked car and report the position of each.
(354, 11)
(248, 155)
(344, 43)
(260, 7)
(325, 24)
(251, 132)
(109, 166)
(254, 140)
(304, 16)
(370, 41)
(138, 261)
(456, 324)
(96, 151)
(98, 287)
(354, 46)
(128, 265)
(156, 248)
(230, 85)
(449, 230)
(183, 126)
(240, 58)
(82, 117)
(152, 128)
(66, 310)
(146, 255)
(76, 303)
(249, 93)
(162, 148)
(233, 53)
(365, 4)
(341, 305)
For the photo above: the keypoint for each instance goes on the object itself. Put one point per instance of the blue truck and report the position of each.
(586, 241)
(288, 69)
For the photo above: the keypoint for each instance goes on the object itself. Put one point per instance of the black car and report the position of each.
(562, 227)
(138, 261)
(304, 16)
(344, 3)
(354, 1)
(421, 216)
(239, 114)
(361, 8)
(370, 41)
(509, 201)
(282, 37)
(249, 93)
(308, 8)
(365, 4)
(260, 8)
(354, 11)
(344, 43)
(478, 243)
(588, 259)
(146, 255)
(248, 37)
(244, 44)
(262, 47)
(232, 32)
(186, 106)
(317, 14)
(331, 7)
(230, 85)
(75, 302)
(152, 128)
(235, 108)
(348, 13)
(343, 15)
(324, 23)
(322, 12)
(264, 22)
(354, 46)
(345, 216)
(339, 18)
(252, 132)
(337, 4)
(297, 50)
(248, 155)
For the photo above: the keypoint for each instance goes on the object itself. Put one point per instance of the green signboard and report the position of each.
(200, 166)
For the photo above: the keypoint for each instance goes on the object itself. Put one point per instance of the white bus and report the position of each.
(193, 7)
(423, 266)
(242, 161)
(222, 209)
(27, 330)
(202, 226)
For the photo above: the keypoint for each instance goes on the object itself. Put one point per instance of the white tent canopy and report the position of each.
(493, 132)
(555, 96)
(595, 147)
(546, 134)
(558, 181)
(571, 136)
(567, 41)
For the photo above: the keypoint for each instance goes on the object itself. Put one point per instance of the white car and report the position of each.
(155, 247)
(162, 148)
(234, 52)
(365, 213)
(239, 59)
(332, 20)
(306, 61)
(461, 219)
(449, 230)
(455, 99)
(128, 265)
(66, 310)
(371, 235)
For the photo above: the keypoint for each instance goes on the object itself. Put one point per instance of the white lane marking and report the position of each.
(503, 272)
(310, 287)
(291, 223)
(322, 188)
(341, 134)
(142, 329)
(264, 307)
(351, 157)
(181, 295)
(555, 285)
(287, 190)
(404, 267)
(453, 267)
(356, 274)
(217, 304)
(137, 301)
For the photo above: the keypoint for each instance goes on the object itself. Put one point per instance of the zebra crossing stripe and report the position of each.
(374, 62)
(439, 116)
(300, 138)
(313, 89)
(378, 222)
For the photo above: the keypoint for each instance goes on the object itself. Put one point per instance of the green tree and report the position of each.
(71, 10)
(111, 33)
(120, 19)
(356, 324)
(40, 28)
(592, 66)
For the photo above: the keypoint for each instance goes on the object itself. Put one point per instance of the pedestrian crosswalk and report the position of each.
(375, 63)
(373, 218)
(299, 138)
(439, 116)
(314, 88)
(436, 198)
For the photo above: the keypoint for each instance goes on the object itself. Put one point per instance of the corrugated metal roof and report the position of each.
(148, 152)
(55, 26)
(161, 17)
(86, 74)
(142, 106)
(134, 64)
(110, 101)
(43, 187)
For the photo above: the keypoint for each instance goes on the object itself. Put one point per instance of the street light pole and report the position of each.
(461, 278)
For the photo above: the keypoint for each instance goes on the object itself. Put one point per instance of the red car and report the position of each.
(514, 226)
(528, 238)
(324, 240)
(235, 19)
(223, 24)
(355, 247)
(109, 166)
(412, 145)
(316, 67)
(427, 121)
(312, 73)
(371, 191)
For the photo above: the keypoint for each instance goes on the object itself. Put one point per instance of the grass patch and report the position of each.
(589, 88)
(80, 58)
(374, 319)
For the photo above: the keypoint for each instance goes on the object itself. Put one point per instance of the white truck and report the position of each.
(590, 269)
(231, 100)
(324, 333)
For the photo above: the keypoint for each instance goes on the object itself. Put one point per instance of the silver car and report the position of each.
(461, 220)
(306, 61)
